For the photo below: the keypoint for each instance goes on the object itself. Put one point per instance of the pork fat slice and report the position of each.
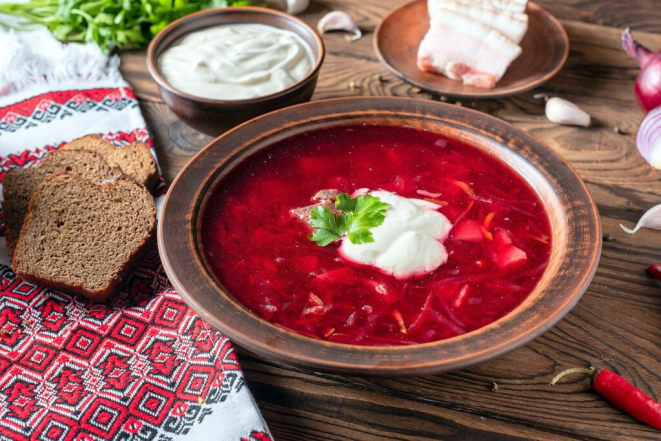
(462, 48)
(512, 25)
(515, 6)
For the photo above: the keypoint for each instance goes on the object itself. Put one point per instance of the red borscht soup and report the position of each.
(497, 249)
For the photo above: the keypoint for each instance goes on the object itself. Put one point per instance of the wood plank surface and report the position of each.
(615, 325)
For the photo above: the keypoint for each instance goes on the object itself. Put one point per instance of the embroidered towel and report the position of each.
(144, 367)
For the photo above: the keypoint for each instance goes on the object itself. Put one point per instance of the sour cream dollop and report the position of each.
(236, 61)
(408, 242)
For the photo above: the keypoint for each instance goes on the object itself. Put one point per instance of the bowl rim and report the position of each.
(425, 367)
(152, 62)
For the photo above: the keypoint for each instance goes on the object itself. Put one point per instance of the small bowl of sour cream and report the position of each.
(218, 68)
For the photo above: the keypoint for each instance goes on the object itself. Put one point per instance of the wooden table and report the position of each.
(616, 324)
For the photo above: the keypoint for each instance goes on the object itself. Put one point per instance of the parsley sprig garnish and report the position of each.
(359, 215)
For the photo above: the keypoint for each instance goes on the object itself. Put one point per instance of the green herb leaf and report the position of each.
(327, 228)
(369, 211)
(360, 235)
(345, 203)
(360, 214)
(323, 237)
(109, 23)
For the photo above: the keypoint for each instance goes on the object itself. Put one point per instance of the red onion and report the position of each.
(648, 138)
(648, 83)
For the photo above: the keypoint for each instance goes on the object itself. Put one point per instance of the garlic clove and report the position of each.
(339, 21)
(295, 7)
(561, 111)
(651, 219)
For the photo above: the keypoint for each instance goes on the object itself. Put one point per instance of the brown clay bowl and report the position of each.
(213, 116)
(545, 50)
(576, 236)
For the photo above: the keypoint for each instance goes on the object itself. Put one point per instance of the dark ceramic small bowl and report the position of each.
(576, 237)
(213, 116)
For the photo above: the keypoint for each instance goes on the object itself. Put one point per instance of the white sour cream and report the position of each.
(408, 242)
(236, 61)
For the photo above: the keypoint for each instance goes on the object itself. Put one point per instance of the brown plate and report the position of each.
(545, 50)
(575, 224)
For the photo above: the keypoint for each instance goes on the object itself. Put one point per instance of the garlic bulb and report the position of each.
(561, 111)
(339, 21)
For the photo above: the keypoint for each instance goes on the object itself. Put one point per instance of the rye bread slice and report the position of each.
(19, 184)
(85, 238)
(135, 160)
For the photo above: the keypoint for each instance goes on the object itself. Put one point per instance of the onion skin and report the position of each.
(648, 83)
(648, 138)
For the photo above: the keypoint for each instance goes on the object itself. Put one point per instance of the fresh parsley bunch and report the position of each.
(109, 23)
(359, 215)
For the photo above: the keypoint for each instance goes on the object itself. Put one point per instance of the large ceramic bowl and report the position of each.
(213, 116)
(576, 237)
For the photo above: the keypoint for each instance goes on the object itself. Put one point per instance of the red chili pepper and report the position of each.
(655, 270)
(621, 394)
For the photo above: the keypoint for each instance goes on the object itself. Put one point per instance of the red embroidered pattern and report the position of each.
(43, 102)
(143, 363)
(143, 367)
(257, 436)
(47, 107)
